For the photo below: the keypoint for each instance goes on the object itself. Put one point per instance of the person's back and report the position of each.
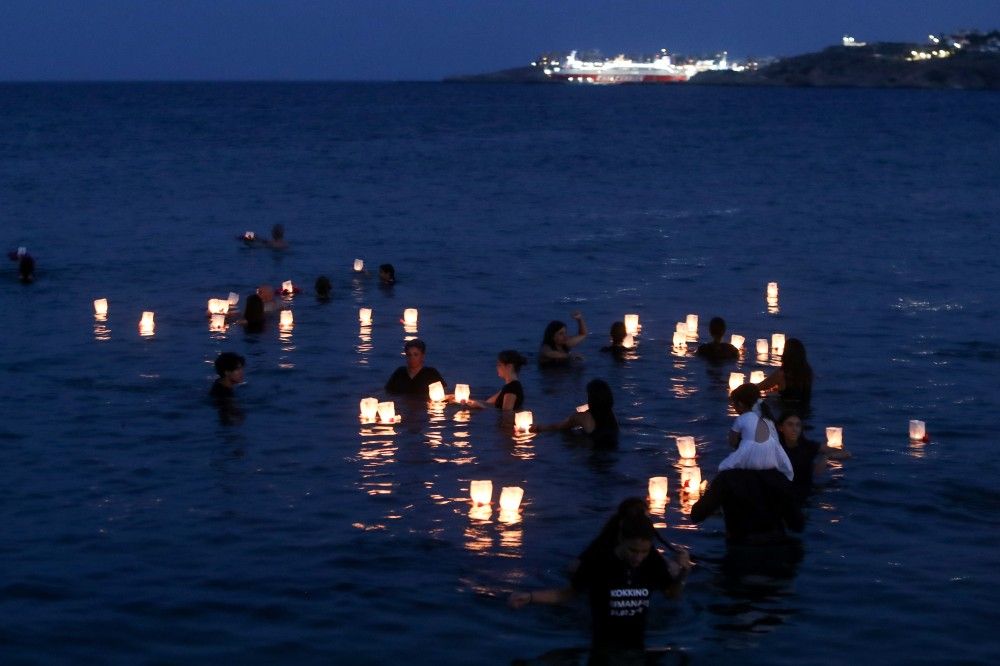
(717, 351)
(758, 505)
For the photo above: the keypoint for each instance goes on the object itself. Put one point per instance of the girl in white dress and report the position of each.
(754, 436)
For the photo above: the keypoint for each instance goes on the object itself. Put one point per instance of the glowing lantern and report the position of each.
(631, 324)
(146, 324)
(681, 327)
(101, 307)
(685, 447)
(249, 235)
(680, 339)
(692, 325)
(583, 408)
(735, 380)
(691, 480)
(462, 393)
(762, 347)
(778, 343)
(658, 489)
(510, 498)
(359, 265)
(522, 421)
(756, 377)
(410, 316)
(287, 319)
(369, 408)
(218, 306)
(287, 287)
(772, 290)
(234, 299)
(481, 492)
(737, 341)
(436, 392)
(628, 342)
(918, 430)
(386, 412)
(835, 437)
(365, 316)
(217, 324)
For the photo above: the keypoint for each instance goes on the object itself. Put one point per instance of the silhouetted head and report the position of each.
(512, 358)
(253, 310)
(228, 362)
(635, 539)
(717, 328)
(797, 371)
(323, 286)
(386, 273)
(414, 351)
(618, 333)
(552, 336)
(599, 396)
(278, 232)
(744, 397)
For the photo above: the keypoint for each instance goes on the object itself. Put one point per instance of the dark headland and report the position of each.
(968, 61)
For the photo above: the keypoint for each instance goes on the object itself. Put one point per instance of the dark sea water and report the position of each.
(136, 528)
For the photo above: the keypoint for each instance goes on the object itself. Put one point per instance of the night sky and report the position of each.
(427, 39)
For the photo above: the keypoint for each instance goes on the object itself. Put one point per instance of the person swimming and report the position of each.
(598, 422)
(556, 344)
(277, 240)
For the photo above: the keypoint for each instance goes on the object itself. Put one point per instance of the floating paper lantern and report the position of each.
(657, 489)
(692, 325)
(628, 342)
(631, 324)
(287, 319)
(918, 430)
(691, 480)
(218, 306)
(680, 339)
(735, 380)
(835, 437)
(249, 235)
(435, 392)
(481, 492)
(101, 307)
(369, 408)
(359, 265)
(772, 290)
(387, 412)
(462, 393)
(681, 327)
(685, 447)
(762, 347)
(287, 287)
(756, 377)
(737, 341)
(522, 422)
(778, 343)
(217, 324)
(410, 316)
(365, 316)
(510, 498)
(583, 408)
(234, 299)
(146, 324)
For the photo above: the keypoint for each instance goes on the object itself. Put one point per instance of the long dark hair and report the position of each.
(600, 404)
(798, 373)
(749, 395)
(253, 312)
(550, 334)
(512, 357)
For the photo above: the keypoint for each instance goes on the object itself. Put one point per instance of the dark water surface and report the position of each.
(138, 528)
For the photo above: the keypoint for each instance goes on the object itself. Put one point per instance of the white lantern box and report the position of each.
(387, 413)
(287, 319)
(737, 341)
(369, 409)
(462, 393)
(359, 265)
(217, 324)
(510, 498)
(685, 447)
(691, 480)
(762, 347)
(772, 290)
(736, 380)
(835, 437)
(435, 392)
(692, 326)
(410, 316)
(757, 376)
(147, 324)
(681, 328)
(522, 422)
(287, 287)
(778, 343)
(658, 489)
(918, 430)
(218, 306)
(631, 324)
(234, 299)
(680, 339)
(481, 492)
(101, 307)
(583, 408)
(365, 316)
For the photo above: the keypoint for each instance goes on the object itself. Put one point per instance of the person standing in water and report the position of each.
(414, 377)
(511, 395)
(556, 343)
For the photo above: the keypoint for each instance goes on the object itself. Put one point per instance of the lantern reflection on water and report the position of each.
(918, 430)
(737, 341)
(481, 492)
(369, 409)
(365, 316)
(435, 392)
(658, 489)
(735, 380)
(217, 324)
(147, 325)
(835, 437)
(628, 342)
(410, 316)
(522, 422)
(631, 324)
(685, 447)
(778, 343)
(510, 498)
(359, 265)
(462, 393)
(101, 307)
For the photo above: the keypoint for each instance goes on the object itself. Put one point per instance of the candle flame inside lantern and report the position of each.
(481, 492)
(359, 265)
(365, 316)
(685, 447)
(287, 319)
(692, 326)
(756, 377)
(101, 307)
(680, 339)
(737, 341)
(772, 290)
(658, 489)
(691, 480)
(387, 412)
(287, 287)
(146, 324)
(522, 422)
(918, 430)
(735, 380)
(762, 347)
(510, 498)
(835, 437)
(631, 324)
(462, 393)
(778, 343)
(369, 408)
(435, 392)
(410, 316)
(217, 324)
(218, 306)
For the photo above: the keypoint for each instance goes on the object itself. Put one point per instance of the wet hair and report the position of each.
(323, 286)
(636, 526)
(617, 332)
(390, 272)
(253, 311)
(549, 337)
(511, 357)
(717, 327)
(749, 395)
(798, 373)
(278, 232)
(227, 362)
(787, 415)
(600, 404)
(416, 342)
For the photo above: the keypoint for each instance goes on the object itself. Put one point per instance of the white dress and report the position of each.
(752, 454)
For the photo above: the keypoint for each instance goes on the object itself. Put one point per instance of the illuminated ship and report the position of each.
(658, 69)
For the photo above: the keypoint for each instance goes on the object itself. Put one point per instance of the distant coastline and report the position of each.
(970, 61)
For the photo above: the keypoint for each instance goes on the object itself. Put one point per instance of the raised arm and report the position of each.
(581, 331)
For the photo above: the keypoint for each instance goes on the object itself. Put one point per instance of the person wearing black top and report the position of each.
(598, 421)
(413, 378)
(511, 395)
(758, 505)
(794, 379)
(717, 351)
(618, 334)
(619, 578)
(556, 343)
(229, 367)
(808, 457)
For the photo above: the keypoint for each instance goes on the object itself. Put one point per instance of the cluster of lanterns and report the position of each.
(481, 492)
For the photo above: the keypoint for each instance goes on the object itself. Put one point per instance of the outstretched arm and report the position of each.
(556, 595)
